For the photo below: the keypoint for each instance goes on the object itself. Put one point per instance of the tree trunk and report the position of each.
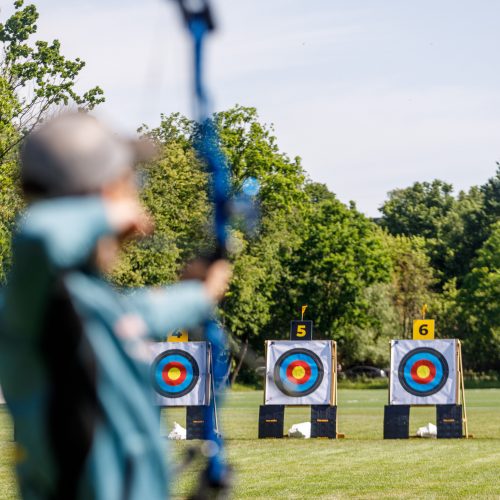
(243, 353)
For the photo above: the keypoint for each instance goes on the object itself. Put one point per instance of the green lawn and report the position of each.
(360, 466)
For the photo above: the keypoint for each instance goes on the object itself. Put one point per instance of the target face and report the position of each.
(175, 373)
(298, 372)
(423, 371)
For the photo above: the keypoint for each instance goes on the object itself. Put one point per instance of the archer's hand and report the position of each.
(217, 280)
(215, 276)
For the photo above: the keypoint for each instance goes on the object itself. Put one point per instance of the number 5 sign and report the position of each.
(423, 329)
(301, 330)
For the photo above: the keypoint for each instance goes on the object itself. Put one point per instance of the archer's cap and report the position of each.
(74, 154)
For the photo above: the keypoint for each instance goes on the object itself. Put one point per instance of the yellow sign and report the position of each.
(178, 336)
(423, 329)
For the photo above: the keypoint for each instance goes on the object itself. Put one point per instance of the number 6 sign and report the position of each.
(423, 329)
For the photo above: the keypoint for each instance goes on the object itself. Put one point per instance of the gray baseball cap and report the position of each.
(74, 154)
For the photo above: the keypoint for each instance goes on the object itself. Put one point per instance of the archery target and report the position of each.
(423, 372)
(179, 373)
(175, 373)
(299, 373)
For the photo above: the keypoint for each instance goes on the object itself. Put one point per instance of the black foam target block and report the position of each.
(449, 421)
(396, 421)
(195, 422)
(271, 421)
(323, 421)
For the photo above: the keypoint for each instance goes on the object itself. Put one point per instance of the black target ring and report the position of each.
(298, 372)
(174, 373)
(434, 378)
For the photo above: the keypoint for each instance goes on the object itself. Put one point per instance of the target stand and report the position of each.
(300, 373)
(181, 377)
(426, 373)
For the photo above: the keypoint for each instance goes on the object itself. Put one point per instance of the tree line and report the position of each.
(364, 279)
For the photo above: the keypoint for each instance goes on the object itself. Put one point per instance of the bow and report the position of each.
(198, 19)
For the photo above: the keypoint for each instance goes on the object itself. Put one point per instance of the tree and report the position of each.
(252, 150)
(412, 280)
(174, 189)
(340, 253)
(35, 80)
(470, 224)
(418, 210)
(478, 307)
(10, 197)
(423, 209)
(37, 74)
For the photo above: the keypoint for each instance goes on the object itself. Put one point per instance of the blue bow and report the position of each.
(198, 20)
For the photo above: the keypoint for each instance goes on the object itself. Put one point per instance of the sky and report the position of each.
(373, 95)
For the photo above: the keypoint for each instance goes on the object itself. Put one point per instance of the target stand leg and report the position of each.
(195, 422)
(397, 421)
(271, 421)
(449, 421)
(324, 421)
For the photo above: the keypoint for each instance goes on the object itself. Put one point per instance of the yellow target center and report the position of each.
(423, 371)
(174, 373)
(298, 372)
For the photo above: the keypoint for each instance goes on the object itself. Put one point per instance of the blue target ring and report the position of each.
(423, 371)
(174, 373)
(298, 372)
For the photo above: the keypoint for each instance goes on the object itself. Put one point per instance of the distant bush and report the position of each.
(481, 380)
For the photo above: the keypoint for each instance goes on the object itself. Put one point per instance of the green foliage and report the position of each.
(470, 226)
(174, 191)
(37, 74)
(412, 280)
(252, 151)
(10, 198)
(419, 210)
(363, 285)
(460, 237)
(478, 306)
(338, 254)
(35, 81)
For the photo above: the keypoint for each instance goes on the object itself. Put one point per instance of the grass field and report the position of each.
(360, 466)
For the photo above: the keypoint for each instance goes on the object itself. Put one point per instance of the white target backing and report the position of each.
(179, 373)
(299, 372)
(423, 372)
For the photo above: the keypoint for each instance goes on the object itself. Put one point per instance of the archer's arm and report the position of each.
(183, 305)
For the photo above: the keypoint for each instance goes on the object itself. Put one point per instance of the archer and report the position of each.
(72, 362)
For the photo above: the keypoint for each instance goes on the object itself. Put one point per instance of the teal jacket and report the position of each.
(126, 460)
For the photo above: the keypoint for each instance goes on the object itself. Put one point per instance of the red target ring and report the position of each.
(298, 372)
(174, 373)
(423, 371)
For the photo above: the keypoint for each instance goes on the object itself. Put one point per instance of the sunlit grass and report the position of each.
(360, 466)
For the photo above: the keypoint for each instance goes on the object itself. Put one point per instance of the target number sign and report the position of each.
(301, 330)
(298, 372)
(423, 329)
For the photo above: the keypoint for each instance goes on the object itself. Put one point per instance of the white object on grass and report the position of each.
(428, 431)
(302, 430)
(178, 432)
